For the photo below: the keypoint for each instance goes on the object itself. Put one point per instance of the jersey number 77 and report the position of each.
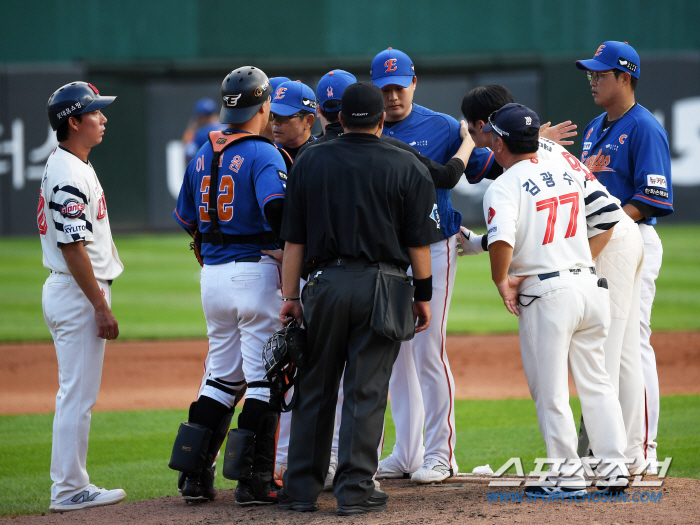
(551, 206)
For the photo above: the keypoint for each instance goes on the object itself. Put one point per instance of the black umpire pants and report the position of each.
(338, 304)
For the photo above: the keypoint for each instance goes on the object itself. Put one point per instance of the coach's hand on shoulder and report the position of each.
(422, 314)
(509, 292)
(107, 326)
(559, 132)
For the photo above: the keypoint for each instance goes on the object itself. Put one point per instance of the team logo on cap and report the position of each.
(599, 50)
(280, 92)
(231, 100)
(308, 103)
(329, 92)
(631, 66)
(528, 121)
(94, 89)
(492, 214)
(390, 65)
(72, 208)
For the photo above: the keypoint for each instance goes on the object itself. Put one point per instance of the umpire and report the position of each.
(358, 211)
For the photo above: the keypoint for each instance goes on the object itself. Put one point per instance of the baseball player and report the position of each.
(620, 262)
(206, 119)
(541, 263)
(238, 210)
(77, 248)
(422, 387)
(274, 82)
(627, 149)
(292, 114)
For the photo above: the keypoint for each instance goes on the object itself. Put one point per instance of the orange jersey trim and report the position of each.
(178, 216)
(275, 195)
(482, 171)
(652, 200)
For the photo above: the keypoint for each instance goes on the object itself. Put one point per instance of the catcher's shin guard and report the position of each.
(239, 454)
(190, 448)
(264, 461)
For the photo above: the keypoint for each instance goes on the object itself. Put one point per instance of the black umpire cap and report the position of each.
(243, 92)
(361, 100)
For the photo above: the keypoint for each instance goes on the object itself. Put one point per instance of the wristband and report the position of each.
(424, 289)
(291, 298)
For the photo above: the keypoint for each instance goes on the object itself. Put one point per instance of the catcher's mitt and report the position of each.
(196, 244)
(284, 352)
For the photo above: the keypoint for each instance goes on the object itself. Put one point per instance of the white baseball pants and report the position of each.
(241, 302)
(653, 254)
(80, 354)
(568, 323)
(421, 386)
(621, 264)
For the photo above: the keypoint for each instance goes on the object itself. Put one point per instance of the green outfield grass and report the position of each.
(131, 449)
(157, 297)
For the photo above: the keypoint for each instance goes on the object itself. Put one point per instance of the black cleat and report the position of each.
(245, 496)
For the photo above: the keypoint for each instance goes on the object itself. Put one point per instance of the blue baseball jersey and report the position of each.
(631, 159)
(251, 174)
(436, 136)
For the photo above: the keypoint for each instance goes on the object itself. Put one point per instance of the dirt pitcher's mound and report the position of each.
(166, 374)
(459, 501)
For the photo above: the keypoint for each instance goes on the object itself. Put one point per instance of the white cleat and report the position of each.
(432, 471)
(328, 483)
(92, 496)
(388, 469)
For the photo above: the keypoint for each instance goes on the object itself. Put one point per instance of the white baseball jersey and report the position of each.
(599, 214)
(537, 206)
(72, 208)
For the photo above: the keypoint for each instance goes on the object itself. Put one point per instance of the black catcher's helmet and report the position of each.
(284, 349)
(73, 99)
(243, 92)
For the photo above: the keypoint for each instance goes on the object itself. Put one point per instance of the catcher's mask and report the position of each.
(285, 349)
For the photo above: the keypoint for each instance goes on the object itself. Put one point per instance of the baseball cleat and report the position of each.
(432, 471)
(328, 483)
(196, 489)
(244, 495)
(280, 469)
(388, 469)
(92, 496)
(538, 491)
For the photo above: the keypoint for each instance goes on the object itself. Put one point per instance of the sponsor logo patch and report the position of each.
(630, 66)
(70, 229)
(308, 103)
(492, 214)
(282, 175)
(222, 140)
(656, 192)
(493, 229)
(656, 180)
(435, 215)
(72, 208)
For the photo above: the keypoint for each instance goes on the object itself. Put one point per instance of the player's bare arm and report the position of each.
(633, 212)
(291, 273)
(81, 269)
(559, 133)
(599, 242)
(465, 150)
(501, 253)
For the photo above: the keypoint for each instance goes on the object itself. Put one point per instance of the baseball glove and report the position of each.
(196, 244)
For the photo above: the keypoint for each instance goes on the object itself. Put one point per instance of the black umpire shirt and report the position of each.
(444, 177)
(358, 197)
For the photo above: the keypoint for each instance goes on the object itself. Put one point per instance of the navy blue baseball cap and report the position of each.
(291, 97)
(512, 121)
(392, 66)
(331, 87)
(613, 55)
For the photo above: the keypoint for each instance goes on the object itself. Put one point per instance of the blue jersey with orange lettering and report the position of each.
(631, 158)
(251, 174)
(436, 136)
(200, 138)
